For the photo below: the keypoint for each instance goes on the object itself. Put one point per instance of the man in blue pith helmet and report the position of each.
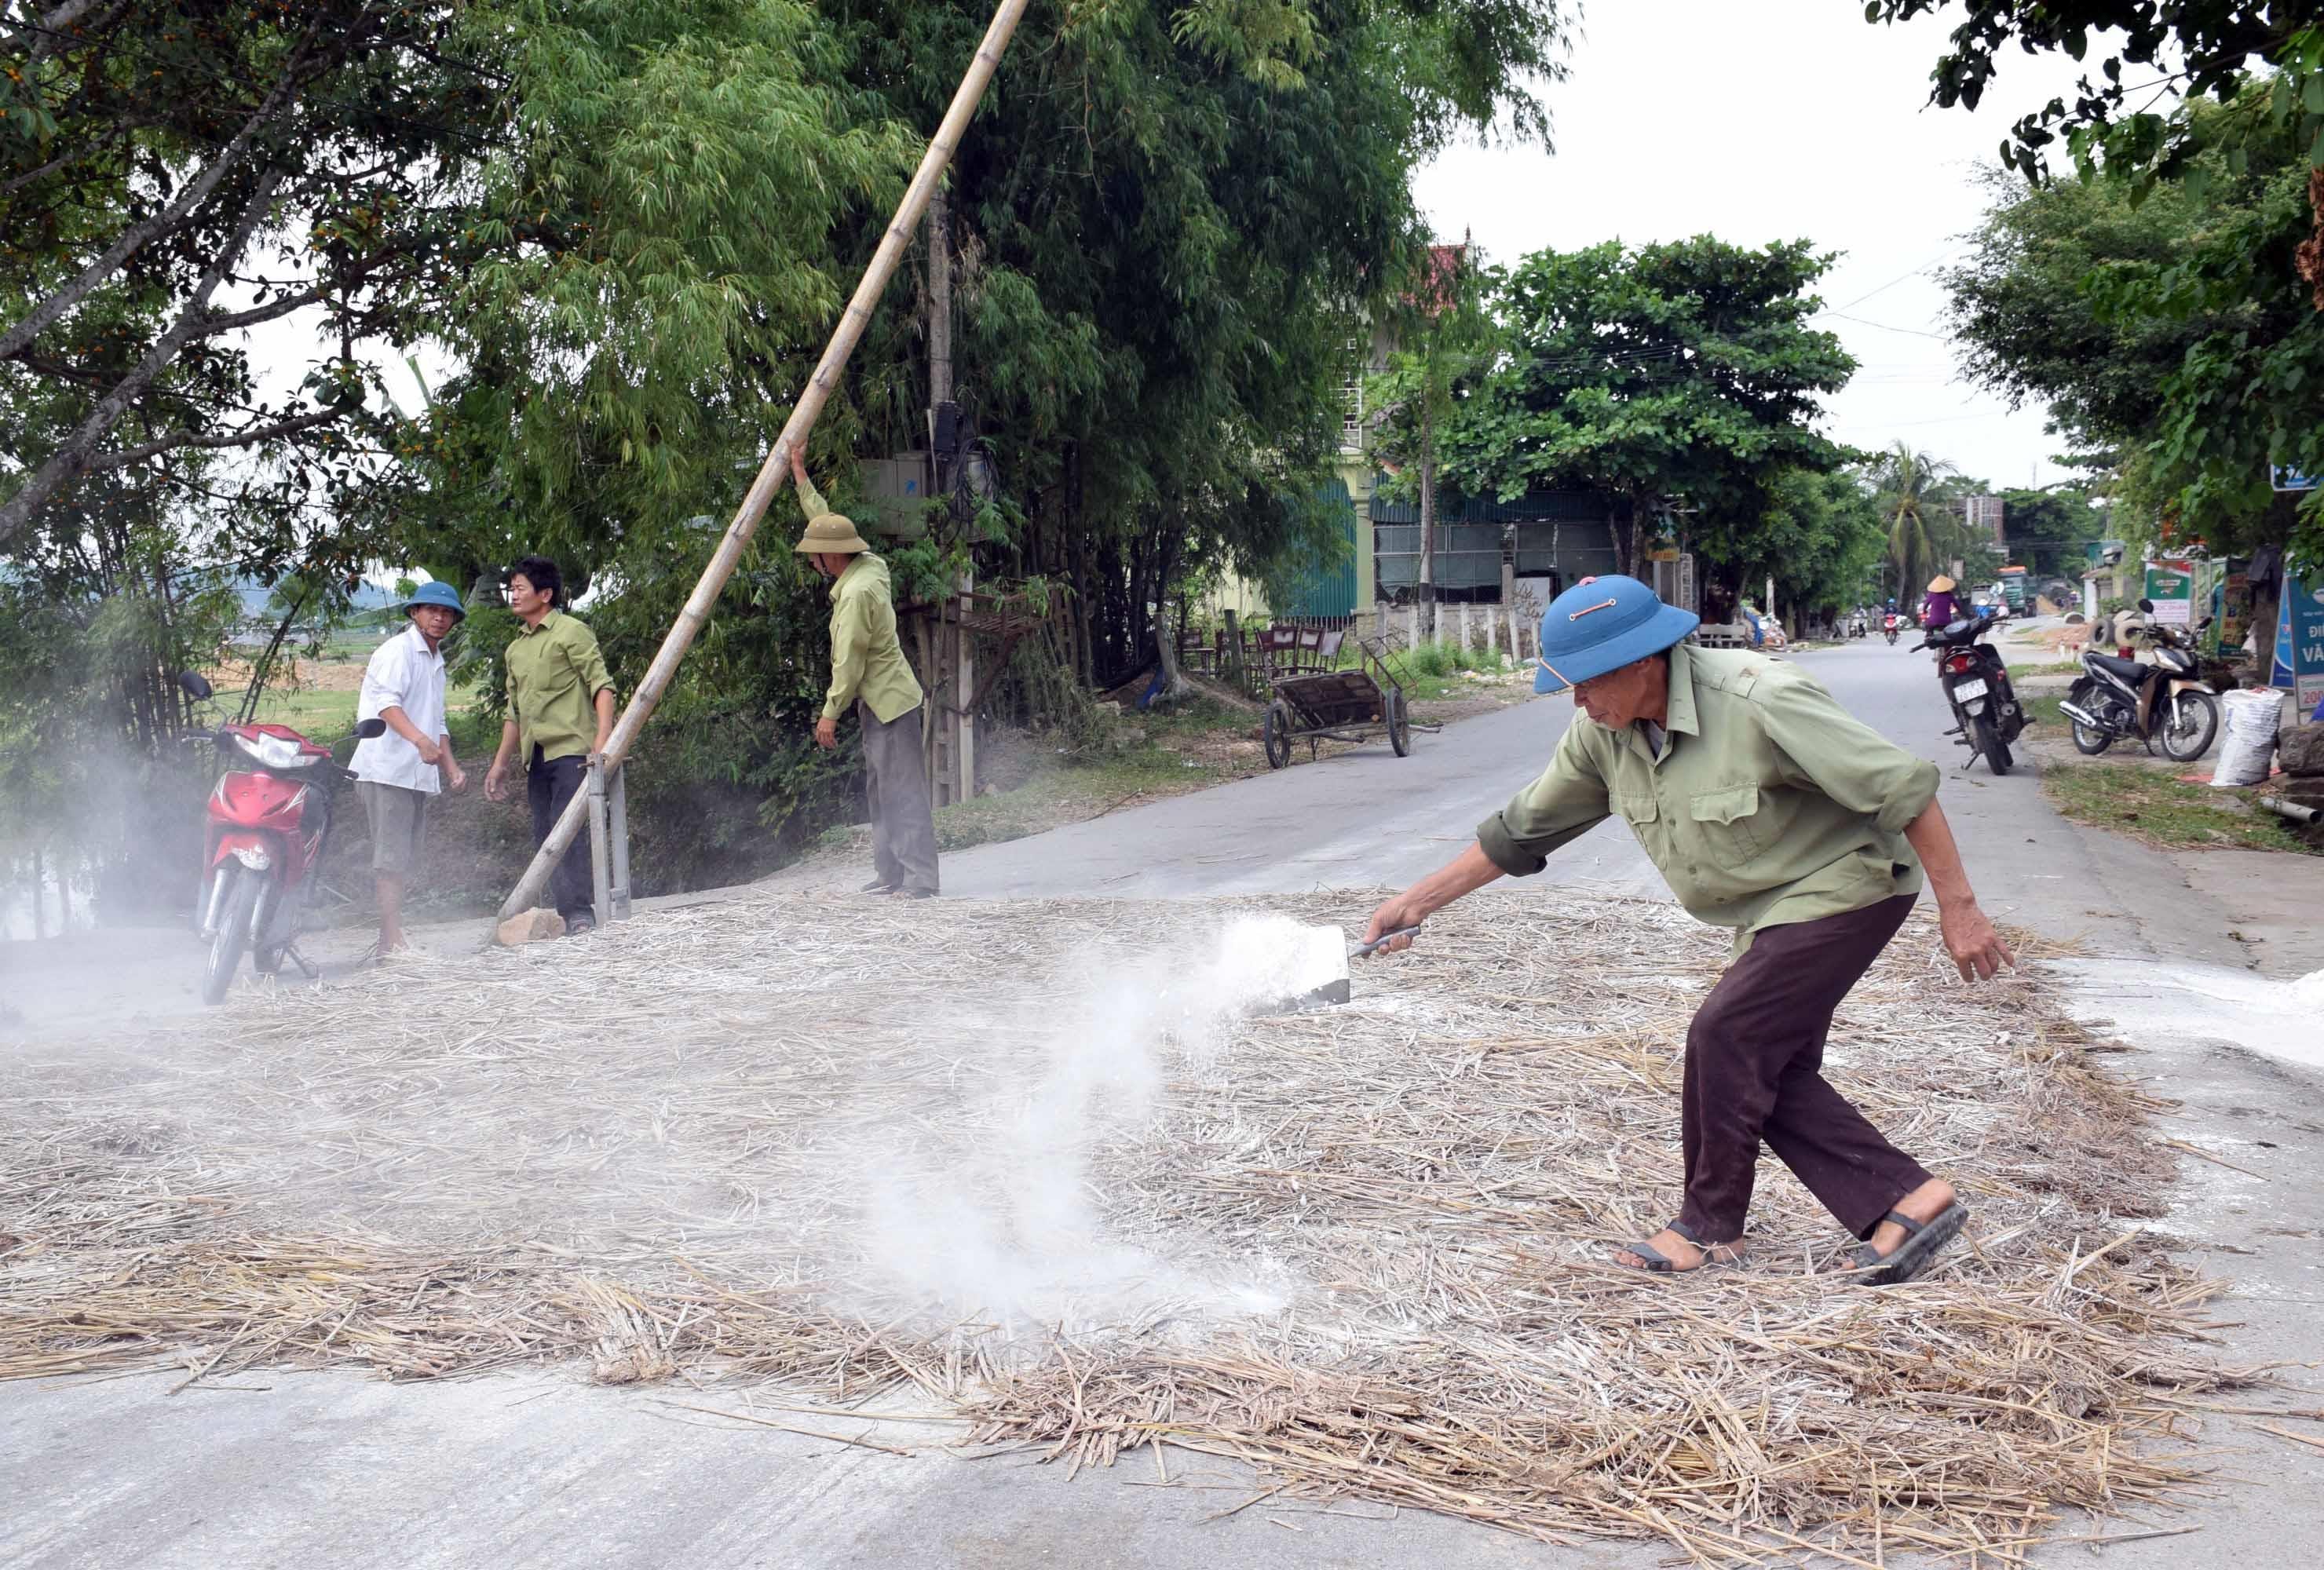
(1769, 810)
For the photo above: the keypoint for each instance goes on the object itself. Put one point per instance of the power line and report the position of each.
(1891, 283)
(1885, 328)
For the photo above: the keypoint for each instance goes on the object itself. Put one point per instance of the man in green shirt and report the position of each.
(1769, 810)
(869, 671)
(560, 712)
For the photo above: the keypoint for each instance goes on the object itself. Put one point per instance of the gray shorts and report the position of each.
(399, 825)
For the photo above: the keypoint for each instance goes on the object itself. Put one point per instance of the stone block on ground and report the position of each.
(2301, 751)
(529, 927)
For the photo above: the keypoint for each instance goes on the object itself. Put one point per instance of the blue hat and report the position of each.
(1600, 625)
(442, 594)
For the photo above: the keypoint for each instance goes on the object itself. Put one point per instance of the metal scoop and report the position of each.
(1325, 960)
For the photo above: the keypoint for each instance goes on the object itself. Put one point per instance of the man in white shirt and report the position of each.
(397, 772)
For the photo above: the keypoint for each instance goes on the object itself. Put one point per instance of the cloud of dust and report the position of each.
(1015, 1228)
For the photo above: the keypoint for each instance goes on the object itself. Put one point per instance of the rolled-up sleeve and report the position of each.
(1565, 803)
(1821, 746)
(851, 647)
(589, 663)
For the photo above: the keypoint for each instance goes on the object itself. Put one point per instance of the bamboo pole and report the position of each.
(777, 468)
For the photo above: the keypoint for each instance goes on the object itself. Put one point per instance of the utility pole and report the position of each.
(955, 727)
(957, 723)
(1428, 492)
(1428, 516)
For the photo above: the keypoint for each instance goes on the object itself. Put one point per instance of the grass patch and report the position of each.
(2058, 667)
(2047, 709)
(1435, 671)
(318, 716)
(330, 716)
(2150, 806)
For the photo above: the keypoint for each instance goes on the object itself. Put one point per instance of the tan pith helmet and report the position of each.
(830, 533)
(1940, 584)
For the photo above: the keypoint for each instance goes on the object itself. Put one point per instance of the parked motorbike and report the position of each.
(2163, 704)
(1986, 715)
(1856, 626)
(270, 819)
(1892, 624)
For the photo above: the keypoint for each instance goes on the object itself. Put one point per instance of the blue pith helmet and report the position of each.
(442, 594)
(1600, 625)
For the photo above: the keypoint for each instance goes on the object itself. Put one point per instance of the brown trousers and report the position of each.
(903, 823)
(1753, 1060)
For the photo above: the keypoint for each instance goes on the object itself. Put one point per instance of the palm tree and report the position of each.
(1917, 531)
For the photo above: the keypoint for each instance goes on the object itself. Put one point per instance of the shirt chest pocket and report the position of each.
(1722, 820)
(1644, 815)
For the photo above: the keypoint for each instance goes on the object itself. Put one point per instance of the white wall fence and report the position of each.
(1512, 631)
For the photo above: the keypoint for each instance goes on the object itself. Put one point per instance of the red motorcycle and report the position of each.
(1892, 624)
(270, 819)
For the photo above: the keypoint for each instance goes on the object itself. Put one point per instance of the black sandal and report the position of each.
(1909, 1258)
(1657, 1263)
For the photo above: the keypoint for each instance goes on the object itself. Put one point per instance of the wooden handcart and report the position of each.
(1352, 705)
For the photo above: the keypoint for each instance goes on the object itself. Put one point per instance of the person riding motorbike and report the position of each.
(1939, 608)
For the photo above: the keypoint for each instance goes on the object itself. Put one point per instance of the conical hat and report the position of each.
(1940, 584)
(830, 533)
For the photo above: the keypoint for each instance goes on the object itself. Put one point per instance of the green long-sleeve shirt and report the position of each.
(867, 658)
(1769, 803)
(554, 673)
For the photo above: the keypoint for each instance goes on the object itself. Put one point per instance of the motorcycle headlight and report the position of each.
(269, 751)
(254, 856)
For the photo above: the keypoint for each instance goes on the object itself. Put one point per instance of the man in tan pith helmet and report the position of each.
(868, 669)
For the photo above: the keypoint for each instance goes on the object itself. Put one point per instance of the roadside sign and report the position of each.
(2172, 586)
(2300, 642)
(2289, 479)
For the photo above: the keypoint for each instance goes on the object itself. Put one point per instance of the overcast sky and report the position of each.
(1764, 120)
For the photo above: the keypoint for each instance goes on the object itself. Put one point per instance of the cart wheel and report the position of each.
(1399, 725)
(1278, 734)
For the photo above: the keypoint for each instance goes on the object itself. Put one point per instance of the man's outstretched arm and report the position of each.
(1464, 874)
(1969, 938)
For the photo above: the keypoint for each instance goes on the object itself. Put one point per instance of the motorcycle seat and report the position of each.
(2129, 670)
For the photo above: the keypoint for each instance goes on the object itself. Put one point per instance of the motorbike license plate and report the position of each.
(1972, 688)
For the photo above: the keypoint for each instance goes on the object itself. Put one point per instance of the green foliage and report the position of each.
(2024, 316)
(2048, 529)
(1659, 373)
(323, 157)
(2205, 43)
(632, 226)
(1444, 341)
(1167, 236)
(1445, 659)
(94, 621)
(1919, 536)
(1819, 535)
(2172, 337)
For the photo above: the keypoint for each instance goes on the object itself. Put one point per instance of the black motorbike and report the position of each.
(2164, 703)
(1986, 715)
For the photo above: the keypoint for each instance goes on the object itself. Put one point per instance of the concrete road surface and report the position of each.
(539, 1469)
